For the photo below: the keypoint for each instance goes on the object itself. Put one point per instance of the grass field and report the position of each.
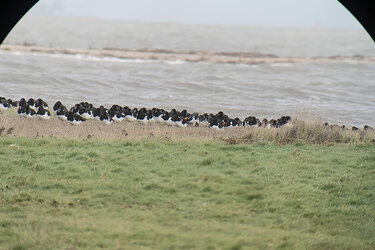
(69, 194)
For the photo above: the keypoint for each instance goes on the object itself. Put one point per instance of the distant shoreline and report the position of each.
(194, 56)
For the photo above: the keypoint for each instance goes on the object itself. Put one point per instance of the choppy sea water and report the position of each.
(340, 92)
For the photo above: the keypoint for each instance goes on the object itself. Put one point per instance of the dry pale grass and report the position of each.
(300, 131)
(308, 132)
(12, 125)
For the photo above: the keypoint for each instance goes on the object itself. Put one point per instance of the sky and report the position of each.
(292, 13)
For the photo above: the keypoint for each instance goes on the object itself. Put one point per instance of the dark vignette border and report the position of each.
(11, 11)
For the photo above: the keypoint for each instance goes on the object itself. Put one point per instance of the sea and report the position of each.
(340, 90)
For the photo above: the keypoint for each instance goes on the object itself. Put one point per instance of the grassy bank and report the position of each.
(59, 193)
(11, 125)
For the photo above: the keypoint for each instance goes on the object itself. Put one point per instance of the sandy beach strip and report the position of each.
(165, 55)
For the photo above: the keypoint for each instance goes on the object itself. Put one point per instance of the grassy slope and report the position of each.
(66, 193)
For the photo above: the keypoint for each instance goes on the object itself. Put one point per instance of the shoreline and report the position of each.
(35, 119)
(193, 57)
(298, 131)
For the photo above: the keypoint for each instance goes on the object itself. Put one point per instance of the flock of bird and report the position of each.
(86, 111)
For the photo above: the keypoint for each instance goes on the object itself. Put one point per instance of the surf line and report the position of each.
(196, 56)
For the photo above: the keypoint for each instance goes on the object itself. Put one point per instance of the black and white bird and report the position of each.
(40, 103)
(58, 105)
(43, 113)
(74, 118)
(26, 111)
(106, 118)
(4, 105)
(284, 120)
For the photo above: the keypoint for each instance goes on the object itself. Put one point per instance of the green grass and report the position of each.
(69, 194)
